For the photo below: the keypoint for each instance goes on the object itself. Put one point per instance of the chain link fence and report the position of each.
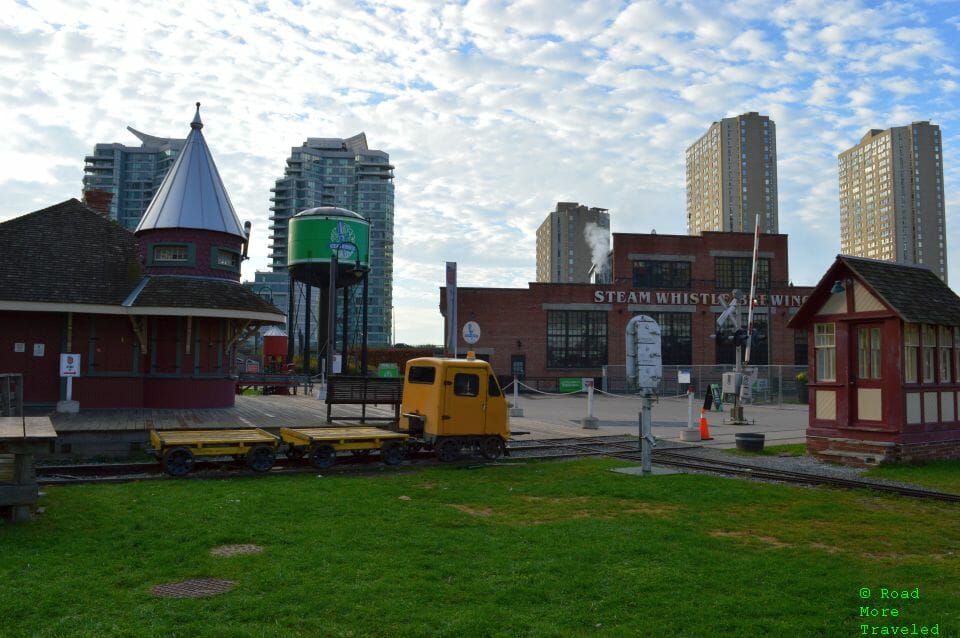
(770, 385)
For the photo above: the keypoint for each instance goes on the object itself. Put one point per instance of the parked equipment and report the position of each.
(452, 404)
(177, 449)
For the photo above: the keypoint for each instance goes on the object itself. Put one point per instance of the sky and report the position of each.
(491, 111)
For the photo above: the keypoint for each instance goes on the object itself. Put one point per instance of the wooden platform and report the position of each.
(271, 412)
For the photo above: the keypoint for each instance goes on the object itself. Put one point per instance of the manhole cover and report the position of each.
(235, 550)
(194, 588)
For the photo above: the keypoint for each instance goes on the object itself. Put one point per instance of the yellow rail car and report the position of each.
(322, 444)
(176, 449)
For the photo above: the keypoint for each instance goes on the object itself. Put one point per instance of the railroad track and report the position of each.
(621, 447)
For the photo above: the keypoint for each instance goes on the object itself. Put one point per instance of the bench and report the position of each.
(363, 391)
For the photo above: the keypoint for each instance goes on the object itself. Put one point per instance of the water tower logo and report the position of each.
(343, 241)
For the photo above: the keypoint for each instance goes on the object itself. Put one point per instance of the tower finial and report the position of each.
(196, 123)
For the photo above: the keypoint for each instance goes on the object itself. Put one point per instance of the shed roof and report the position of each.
(914, 293)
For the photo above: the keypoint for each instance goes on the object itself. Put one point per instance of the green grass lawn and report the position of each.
(940, 475)
(536, 549)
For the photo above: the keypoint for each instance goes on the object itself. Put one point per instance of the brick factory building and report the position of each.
(550, 331)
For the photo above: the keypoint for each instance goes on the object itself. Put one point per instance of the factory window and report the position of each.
(800, 352)
(911, 344)
(576, 338)
(726, 351)
(734, 272)
(825, 345)
(171, 253)
(649, 273)
(676, 341)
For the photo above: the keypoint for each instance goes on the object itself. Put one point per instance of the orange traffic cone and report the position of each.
(704, 427)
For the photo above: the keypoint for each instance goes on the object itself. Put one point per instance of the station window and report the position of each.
(180, 253)
(229, 259)
(422, 374)
(825, 345)
(576, 338)
(911, 346)
(466, 385)
(868, 352)
(648, 273)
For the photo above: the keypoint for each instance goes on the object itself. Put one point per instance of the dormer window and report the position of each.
(171, 253)
(225, 259)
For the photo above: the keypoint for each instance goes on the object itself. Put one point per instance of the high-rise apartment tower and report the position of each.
(348, 174)
(732, 176)
(573, 242)
(130, 174)
(891, 197)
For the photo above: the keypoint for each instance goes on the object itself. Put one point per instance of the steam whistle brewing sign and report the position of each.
(672, 298)
(315, 239)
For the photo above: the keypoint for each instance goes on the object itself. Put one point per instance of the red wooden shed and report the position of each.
(884, 349)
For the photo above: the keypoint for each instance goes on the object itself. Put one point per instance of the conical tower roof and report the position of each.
(192, 194)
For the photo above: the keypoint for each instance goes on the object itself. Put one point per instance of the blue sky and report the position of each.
(492, 111)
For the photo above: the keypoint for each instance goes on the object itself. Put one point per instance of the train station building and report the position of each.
(552, 331)
(151, 318)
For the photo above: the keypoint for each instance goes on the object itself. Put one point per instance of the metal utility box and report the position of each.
(731, 382)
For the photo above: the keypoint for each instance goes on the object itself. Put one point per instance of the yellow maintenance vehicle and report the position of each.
(452, 404)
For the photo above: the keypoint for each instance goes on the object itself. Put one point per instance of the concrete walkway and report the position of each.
(560, 416)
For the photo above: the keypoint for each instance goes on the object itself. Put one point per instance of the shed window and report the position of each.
(171, 253)
(946, 347)
(929, 345)
(868, 350)
(825, 344)
(911, 346)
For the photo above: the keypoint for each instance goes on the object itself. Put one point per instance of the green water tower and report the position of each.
(315, 236)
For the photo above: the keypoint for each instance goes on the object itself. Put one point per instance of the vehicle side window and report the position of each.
(466, 385)
(422, 374)
(493, 388)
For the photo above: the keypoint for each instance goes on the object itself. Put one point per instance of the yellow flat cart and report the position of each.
(322, 444)
(176, 449)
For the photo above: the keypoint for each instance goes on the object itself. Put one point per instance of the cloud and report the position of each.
(491, 111)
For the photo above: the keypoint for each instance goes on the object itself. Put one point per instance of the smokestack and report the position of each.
(246, 242)
(598, 239)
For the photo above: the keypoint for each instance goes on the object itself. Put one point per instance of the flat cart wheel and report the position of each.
(447, 450)
(177, 461)
(392, 452)
(260, 458)
(323, 456)
(491, 447)
(295, 452)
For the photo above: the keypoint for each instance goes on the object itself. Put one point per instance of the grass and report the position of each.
(538, 549)
(940, 475)
(789, 449)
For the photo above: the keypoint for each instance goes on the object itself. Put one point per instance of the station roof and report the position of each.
(192, 194)
(67, 258)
